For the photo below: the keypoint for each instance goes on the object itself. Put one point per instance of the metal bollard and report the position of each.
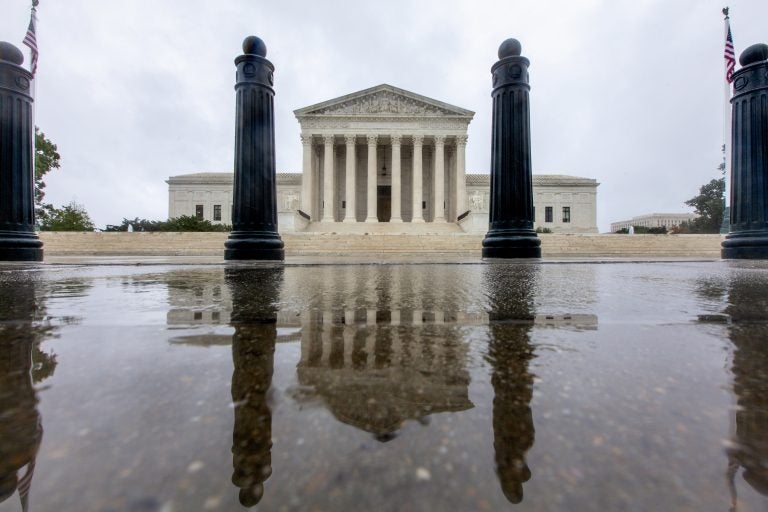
(748, 236)
(254, 210)
(18, 240)
(511, 233)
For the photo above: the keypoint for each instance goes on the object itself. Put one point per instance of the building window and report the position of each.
(547, 214)
(217, 212)
(566, 214)
(423, 205)
(343, 204)
(199, 211)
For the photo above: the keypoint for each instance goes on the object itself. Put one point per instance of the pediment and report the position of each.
(384, 100)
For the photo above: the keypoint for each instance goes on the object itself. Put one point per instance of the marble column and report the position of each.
(397, 186)
(418, 142)
(372, 191)
(461, 174)
(306, 174)
(439, 181)
(350, 179)
(328, 189)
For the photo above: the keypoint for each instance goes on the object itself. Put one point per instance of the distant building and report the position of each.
(654, 220)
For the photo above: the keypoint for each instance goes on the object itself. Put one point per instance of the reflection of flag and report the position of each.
(730, 57)
(25, 483)
(31, 39)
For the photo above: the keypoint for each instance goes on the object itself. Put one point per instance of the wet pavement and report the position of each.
(475, 386)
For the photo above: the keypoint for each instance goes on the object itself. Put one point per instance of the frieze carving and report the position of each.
(355, 122)
(384, 102)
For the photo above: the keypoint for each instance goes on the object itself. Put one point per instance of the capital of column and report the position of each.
(350, 139)
(306, 140)
(461, 140)
(372, 139)
(439, 140)
(396, 139)
(328, 140)
(418, 140)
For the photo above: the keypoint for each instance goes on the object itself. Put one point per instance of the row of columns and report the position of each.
(329, 185)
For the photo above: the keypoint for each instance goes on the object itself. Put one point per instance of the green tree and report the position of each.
(46, 159)
(71, 217)
(183, 223)
(191, 223)
(709, 205)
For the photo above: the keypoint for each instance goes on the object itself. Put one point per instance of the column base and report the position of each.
(506, 244)
(396, 221)
(751, 245)
(371, 220)
(20, 246)
(327, 219)
(439, 220)
(349, 221)
(420, 220)
(254, 245)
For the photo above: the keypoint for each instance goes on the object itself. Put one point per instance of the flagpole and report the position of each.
(726, 165)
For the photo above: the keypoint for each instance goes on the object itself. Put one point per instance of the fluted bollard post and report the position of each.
(254, 209)
(18, 241)
(748, 237)
(511, 233)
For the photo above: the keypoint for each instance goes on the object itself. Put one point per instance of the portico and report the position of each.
(383, 155)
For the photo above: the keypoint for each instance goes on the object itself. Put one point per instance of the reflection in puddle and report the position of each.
(387, 386)
(22, 365)
(748, 331)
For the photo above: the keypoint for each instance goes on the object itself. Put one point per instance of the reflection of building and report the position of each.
(373, 375)
(654, 220)
(395, 157)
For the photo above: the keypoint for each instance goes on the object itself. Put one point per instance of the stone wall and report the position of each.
(212, 244)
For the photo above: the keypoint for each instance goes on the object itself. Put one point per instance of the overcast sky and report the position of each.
(627, 92)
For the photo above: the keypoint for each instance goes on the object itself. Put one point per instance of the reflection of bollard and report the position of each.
(748, 237)
(18, 241)
(511, 233)
(254, 209)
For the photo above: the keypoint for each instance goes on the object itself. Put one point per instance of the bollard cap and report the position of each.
(254, 46)
(510, 48)
(10, 53)
(755, 53)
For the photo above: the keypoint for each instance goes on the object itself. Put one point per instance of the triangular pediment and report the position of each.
(384, 100)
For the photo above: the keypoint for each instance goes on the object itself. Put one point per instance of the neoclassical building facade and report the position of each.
(386, 155)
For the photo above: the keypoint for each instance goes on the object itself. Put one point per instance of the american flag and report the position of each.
(730, 56)
(31, 39)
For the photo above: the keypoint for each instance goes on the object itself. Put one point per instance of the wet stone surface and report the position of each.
(384, 387)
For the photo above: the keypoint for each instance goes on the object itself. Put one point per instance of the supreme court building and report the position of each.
(386, 155)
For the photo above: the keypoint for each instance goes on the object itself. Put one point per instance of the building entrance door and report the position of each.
(384, 203)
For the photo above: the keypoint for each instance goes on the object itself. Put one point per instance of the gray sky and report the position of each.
(627, 92)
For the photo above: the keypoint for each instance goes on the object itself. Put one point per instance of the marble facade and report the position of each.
(386, 155)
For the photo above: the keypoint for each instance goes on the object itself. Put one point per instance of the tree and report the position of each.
(46, 159)
(183, 223)
(709, 205)
(71, 217)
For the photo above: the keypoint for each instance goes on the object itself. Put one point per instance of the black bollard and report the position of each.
(18, 240)
(254, 211)
(511, 233)
(748, 237)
